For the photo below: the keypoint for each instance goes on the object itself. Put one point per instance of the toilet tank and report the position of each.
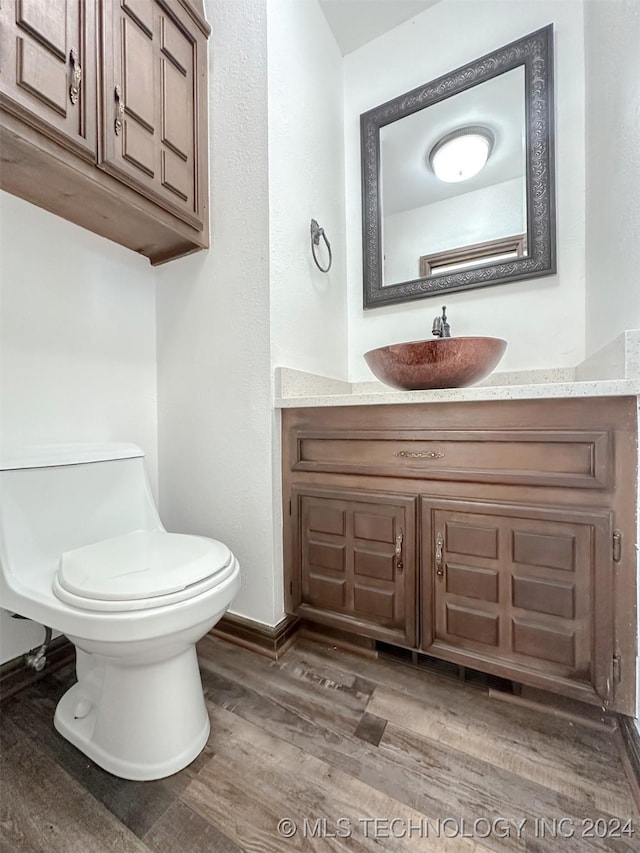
(58, 497)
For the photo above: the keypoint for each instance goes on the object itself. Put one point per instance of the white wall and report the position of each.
(306, 180)
(216, 425)
(77, 346)
(255, 299)
(420, 50)
(612, 36)
(612, 42)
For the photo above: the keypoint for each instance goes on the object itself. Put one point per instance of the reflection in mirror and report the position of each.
(478, 225)
(422, 215)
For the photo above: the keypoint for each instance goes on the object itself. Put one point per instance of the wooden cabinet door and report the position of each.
(47, 69)
(523, 592)
(355, 563)
(154, 126)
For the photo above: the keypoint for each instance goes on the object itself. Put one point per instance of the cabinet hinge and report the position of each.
(616, 669)
(290, 587)
(617, 546)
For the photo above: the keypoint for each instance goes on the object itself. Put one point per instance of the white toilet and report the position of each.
(82, 550)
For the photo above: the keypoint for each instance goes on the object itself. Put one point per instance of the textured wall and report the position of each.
(612, 42)
(214, 371)
(306, 180)
(612, 37)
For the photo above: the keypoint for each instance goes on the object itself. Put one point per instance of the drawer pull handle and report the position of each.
(117, 92)
(399, 563)
(439, 561)
(420, 454)
(76, 76)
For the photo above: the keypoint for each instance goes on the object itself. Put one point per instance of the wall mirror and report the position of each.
(434, 223)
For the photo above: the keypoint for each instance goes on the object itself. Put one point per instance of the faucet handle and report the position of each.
(441, 328)
(446, 328)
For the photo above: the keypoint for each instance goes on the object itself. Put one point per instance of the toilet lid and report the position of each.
(139, 565)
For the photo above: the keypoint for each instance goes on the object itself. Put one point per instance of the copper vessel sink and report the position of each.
(436, 363)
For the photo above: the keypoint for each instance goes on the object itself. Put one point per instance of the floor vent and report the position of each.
(447, 669)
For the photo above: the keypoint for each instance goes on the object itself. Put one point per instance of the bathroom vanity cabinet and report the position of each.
(103, 117)
(499, 536)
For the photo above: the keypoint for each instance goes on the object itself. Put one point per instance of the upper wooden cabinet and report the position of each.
(103, 117)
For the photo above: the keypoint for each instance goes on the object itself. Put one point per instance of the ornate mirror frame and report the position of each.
(535, 53)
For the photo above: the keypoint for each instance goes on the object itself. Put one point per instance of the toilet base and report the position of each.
(138, 721)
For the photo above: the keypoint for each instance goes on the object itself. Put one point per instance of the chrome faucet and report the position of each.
(441, 329)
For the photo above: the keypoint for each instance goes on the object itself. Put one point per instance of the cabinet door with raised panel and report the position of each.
(154, 127)
(47, 69)
(520, 591)
(354, 562)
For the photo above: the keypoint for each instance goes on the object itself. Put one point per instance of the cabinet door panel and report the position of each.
(472, 539)
(141, 11)
(175, 46)
(42, 75)
(525, 588)
(375, 603)
(355, 561)
(176, 132)
(46, 22)
(373, 565)
(544, 596)
(138, 61)
(466, 623)
(546, 643)
(472, 582)
(176, 175)
(47, 69)
(553, 551)
(152, 60)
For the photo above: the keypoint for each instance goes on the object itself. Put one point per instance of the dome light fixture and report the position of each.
(461, 154)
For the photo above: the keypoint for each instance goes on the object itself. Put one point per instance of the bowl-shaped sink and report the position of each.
(436, 363)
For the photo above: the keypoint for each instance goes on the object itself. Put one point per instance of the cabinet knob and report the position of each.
(398, 554)
(76, 76)
(439, 560)
(117, 93)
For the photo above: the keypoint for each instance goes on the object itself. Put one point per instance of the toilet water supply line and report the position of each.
(37, 657)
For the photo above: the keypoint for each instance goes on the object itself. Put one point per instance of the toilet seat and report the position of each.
(141, 570)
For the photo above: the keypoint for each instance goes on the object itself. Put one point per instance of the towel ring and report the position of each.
(316, 233)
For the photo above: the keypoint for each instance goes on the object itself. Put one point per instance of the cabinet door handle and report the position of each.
(439, 560)
(76, 76)
(398, 554)
(117, 93)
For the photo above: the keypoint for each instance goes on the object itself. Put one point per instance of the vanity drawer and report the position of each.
(564, 458)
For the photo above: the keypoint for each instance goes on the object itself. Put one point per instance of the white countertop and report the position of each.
(599, 388)
(612, 372)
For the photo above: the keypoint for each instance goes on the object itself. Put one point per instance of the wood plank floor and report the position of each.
(352, 752)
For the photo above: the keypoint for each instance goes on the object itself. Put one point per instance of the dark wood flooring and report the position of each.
(356, 752)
